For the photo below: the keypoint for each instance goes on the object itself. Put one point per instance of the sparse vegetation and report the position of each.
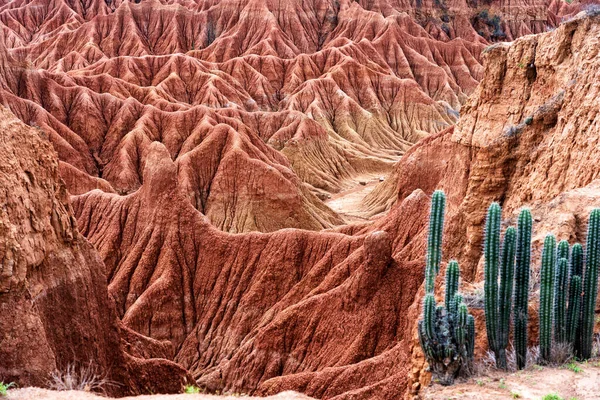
(191, 389)
(85, 378)
(552, 396)
(573, 366)
(4, 388)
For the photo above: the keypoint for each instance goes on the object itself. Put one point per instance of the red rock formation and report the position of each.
(266, 106)
(339, 88)
(56, 311)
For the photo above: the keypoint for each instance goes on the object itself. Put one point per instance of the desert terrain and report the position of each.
(235, 195)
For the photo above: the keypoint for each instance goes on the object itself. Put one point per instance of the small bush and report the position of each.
(85, 378)
(573, 366)
(191, 389)
(4, 388)
(552, 396)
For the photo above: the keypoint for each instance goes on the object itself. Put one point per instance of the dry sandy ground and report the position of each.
(43, 394)
(533, 383)
(349, 203)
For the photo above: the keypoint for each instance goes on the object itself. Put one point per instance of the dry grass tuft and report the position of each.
(85, 378)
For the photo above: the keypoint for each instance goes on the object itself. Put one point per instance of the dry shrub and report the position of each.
(85, 378)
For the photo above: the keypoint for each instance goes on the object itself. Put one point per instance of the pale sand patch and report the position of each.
(32, 393)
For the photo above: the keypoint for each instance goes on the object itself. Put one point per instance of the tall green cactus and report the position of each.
(498, 299)
(575, 292)
(590, 283)
(507, 271)
(434, 240)
(492, 255)
(560, 296)
(547, 296)
(446, 333)
(470, 336)
(523, 259)
(574, 308)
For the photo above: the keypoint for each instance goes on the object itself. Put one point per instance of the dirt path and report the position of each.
(349, 203)
(532, 384)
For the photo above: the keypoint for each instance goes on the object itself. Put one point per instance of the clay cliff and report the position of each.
(56, 310)
(266, 107)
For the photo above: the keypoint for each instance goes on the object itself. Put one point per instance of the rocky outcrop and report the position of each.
(56, 310)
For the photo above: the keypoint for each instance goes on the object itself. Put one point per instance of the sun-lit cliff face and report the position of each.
(266, 107)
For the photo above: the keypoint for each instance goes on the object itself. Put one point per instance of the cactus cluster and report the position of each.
(500, 262)
(567, 297)
(568, 293)
(583, 346)
(446, 332)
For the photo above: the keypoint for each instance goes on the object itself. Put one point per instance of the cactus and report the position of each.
(562, 250)
(576, 260)
(452, 275)
(429, 311)
(574, 314)
(446, 333)
(507, 271)
(547, 296)
(523, 258)
(460, 331)
(590, 285)
(560, 297)
(470, 336)
(498, 299)
(434, 240)
(574, 308)
(492, 254)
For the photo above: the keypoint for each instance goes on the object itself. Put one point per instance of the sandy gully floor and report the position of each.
(534, 383)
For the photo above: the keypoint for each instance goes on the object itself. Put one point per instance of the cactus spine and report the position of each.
(590, 283)
(523, 258)
(574, 308)
(547, 296)
(560, 297)
(446, 333)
